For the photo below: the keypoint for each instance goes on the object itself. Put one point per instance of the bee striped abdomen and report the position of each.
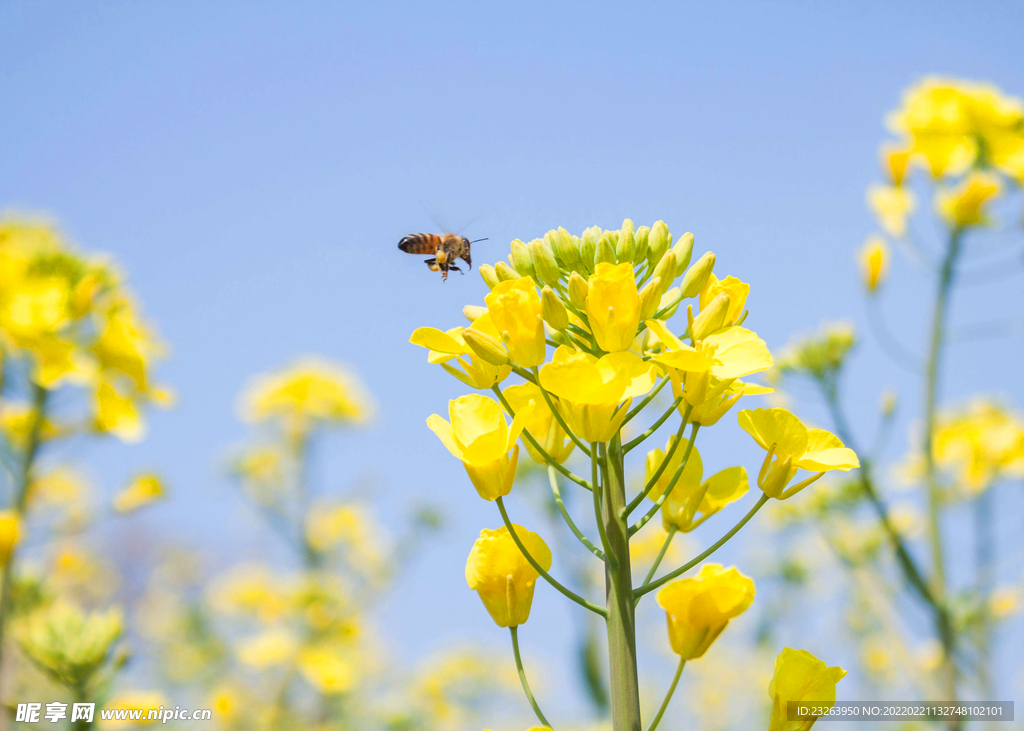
(420, 243)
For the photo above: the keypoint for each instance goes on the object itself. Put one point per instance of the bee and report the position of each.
(446, 248)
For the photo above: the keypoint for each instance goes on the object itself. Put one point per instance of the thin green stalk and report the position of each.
(668, 696)
(652, 585)
(661, 554)
(947, 276)
(540, 570)
(558, 416)
(514, 631)
(21, 485)
(622, 672)
(646, 400)
(906, 561)
(628, 446)
(984, 514)
(556, 492)
(552, 462)
(664, 464)
(633, 529)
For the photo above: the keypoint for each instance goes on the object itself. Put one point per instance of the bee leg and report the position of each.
(431, 264)
(453, 268)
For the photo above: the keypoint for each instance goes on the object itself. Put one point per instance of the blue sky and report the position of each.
(252, 166)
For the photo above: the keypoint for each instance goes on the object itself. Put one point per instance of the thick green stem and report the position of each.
(22, 481)
(947, 275)
(622, 672)
(522, 677)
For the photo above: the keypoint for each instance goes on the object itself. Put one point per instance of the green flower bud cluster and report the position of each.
(553, 259)
(818, 354)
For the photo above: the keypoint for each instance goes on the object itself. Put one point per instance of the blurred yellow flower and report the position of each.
(226, 702)
(69, 644)
(516, 313)
(10, 532)
(874, 262)
(964, 205)
(800, 677)
(539, 422)
(896, 160)
(1004, 602)
(980, 444)
(308, 392)
(479, 436)
(251, 590)
(613, 306)
(700, 607)
(794, 447)
(274, 646)
(502, 576)
(328, 668)
(596, 392)
(892, 207)
(144, 489)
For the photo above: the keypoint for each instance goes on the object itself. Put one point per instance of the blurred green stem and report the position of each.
(23, 480)
(984, 515)
(947, 276)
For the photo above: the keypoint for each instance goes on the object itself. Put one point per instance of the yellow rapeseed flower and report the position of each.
(274, 646)
(736, 290)
(692, 493)
(502, 576)
(613, 306)
(517, 314)
(801, 677)
(892, 207)
(328, 668)
(794, 447)
(447, 346)
(874, 262)
(479, 436)
(964, 205)
(699, 608)
(540, 423)
(705, 372)
(596, 392)
(142, 490)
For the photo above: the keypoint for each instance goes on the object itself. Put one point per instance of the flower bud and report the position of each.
(666, 271)
(643, 235)
(489, 275)
(658, 242)
(711, 318)
(605, 251)
(625, 247)
(553, 310)
(505, 272)
(588, 246)
(472, 312)
(697, 275)
(650, 298)
(888, 402)
(578, 290)
(544, 264)
(683, 251)
(520, 259)
(567, 250)
(485, 346)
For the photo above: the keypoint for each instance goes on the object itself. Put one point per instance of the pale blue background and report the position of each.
(252, 165)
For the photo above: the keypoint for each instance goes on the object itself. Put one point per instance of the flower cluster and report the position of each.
(584, 323)
(73, 321)
(969, 137)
